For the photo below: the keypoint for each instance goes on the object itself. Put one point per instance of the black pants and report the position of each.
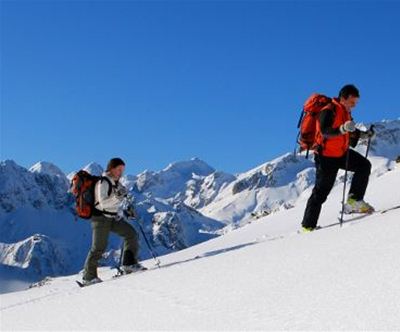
(102, 227)
(327, 169)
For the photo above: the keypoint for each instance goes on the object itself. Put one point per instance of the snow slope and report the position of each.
(36, 203)
(280, 183)
(186, 203)
(260, 276)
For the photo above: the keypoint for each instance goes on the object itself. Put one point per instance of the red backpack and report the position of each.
(82, 188)
(307, 125)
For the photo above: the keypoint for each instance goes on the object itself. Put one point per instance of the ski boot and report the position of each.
(127, 269)
(93, 281)
(354, 206)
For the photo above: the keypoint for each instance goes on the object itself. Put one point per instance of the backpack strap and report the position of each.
(110, 188)
(300, 119)
(332, 108)
(110, 185)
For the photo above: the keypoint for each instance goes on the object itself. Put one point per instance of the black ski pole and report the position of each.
(369, 141)
(344, 185)
(148, 245)
(129, 202)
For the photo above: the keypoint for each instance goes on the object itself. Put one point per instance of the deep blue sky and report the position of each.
(157, 82)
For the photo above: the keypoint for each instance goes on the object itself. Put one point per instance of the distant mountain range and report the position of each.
(186, 203)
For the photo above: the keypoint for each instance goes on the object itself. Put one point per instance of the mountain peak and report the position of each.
(44, 167)
(94, 168)
(188, 167)
(10, 164)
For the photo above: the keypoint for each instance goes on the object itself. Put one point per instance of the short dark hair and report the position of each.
(349, 90)
(114, 162)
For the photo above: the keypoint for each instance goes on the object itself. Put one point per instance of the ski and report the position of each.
(121, 273)
(353, 217)
(81, 285)
(374, 212)
(118, 274)
(115, 276)
(390, 209)
(356, 216)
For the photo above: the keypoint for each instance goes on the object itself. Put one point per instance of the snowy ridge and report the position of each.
(387, 141)
(263, 190)
(37, 201)
(38, 188)
(30, 253)
(201, 191)
(173, 179)
(92, 168)
(173, 225)
(44, 167)
(280, 183)
(182, 205)
(263, 276)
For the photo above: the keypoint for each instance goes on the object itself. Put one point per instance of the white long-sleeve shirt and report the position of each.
(105, 202)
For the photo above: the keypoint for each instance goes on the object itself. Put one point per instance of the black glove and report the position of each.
(121, 192)
(370, 133)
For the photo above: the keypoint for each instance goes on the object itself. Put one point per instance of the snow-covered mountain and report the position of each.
(265, 276)
(37, 253)
(35, 203)
(43, 186)
(92, 168)
(193, 182)
(180, 206)
(280, 183)
(267, 188)
(38, 234)
(387, 140)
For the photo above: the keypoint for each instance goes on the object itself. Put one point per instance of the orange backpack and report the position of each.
(307, 125)
(82, 188)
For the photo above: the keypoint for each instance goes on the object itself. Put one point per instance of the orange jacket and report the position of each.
(334, 146)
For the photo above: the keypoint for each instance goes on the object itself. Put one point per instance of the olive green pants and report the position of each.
(101, 227)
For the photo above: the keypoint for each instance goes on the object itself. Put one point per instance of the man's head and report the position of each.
(116, 168)
(348, 96)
